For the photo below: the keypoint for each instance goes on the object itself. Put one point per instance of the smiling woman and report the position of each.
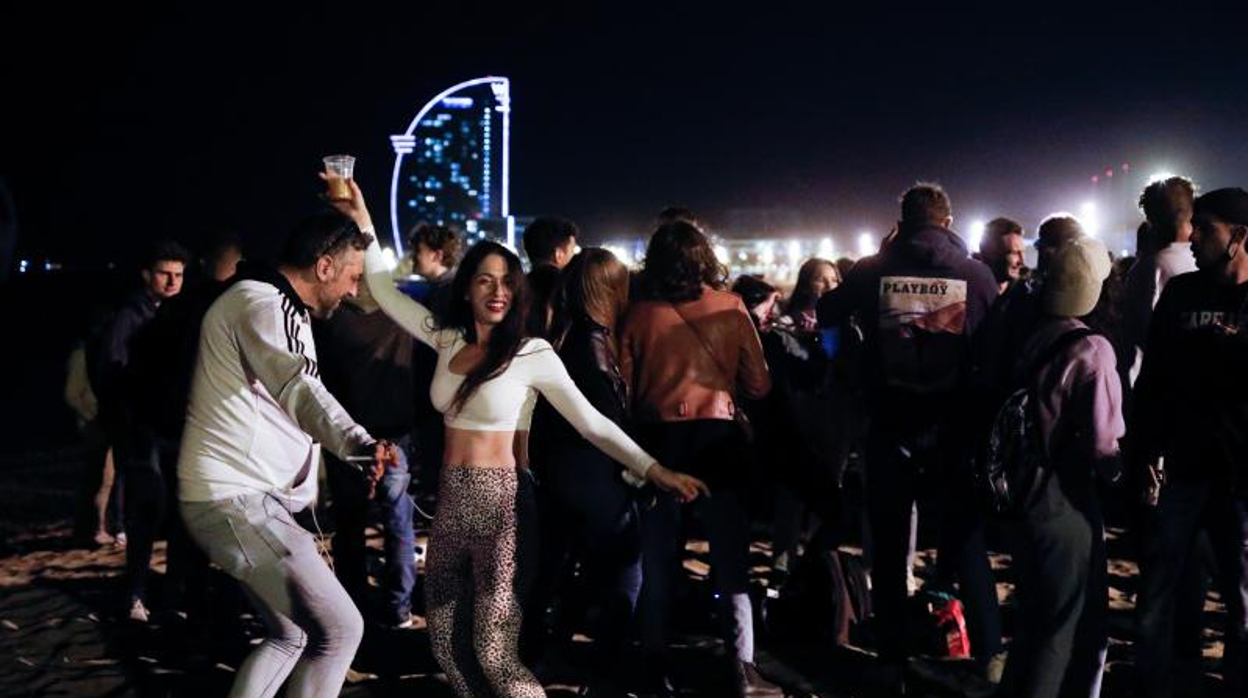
(486, 383)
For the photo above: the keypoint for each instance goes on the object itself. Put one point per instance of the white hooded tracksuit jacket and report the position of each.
(257, 407)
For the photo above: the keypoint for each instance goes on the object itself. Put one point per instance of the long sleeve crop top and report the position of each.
(506, 402)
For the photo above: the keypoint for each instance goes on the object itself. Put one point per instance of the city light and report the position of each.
(405, 144)
(976, 234)
(721, 253)
(1090, 219)
(767, 254)
(1160, 176)
(866, 244)
(621, 253)
(795, 251)
(826, 249)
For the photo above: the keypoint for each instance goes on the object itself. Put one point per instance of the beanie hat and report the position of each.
(1229, 205)
(1073, 283)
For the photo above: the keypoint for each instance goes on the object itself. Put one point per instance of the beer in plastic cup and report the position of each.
(339, 169)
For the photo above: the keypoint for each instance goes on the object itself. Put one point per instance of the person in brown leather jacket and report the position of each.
(688, 349)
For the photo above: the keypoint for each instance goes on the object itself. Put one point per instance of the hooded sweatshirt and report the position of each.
(918, 301)
(1079, 406)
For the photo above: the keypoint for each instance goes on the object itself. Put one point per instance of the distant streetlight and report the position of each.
(1090, 218)
(866, 244)
(977, 234)
(767, 255)
(825, 248)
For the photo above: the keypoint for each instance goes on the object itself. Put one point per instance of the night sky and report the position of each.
(125, 123)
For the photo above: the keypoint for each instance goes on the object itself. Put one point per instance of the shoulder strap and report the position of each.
(705, 346)
(1056, 347)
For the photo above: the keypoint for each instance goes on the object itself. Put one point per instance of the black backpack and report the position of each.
(1015, 455)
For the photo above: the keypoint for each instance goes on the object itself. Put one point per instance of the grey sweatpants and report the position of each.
(313, 627)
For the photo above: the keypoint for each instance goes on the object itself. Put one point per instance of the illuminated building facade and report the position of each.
(452, 164)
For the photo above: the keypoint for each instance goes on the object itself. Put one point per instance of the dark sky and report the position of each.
(124, 123)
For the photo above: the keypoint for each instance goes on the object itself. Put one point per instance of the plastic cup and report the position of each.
(339, 168)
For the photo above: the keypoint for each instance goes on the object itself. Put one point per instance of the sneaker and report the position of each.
(410, 623)
(119, 541)
(994, 668)
(138, 612)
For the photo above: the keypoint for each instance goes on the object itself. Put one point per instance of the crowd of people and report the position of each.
(577, 420)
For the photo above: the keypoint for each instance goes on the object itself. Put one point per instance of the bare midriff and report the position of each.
(485, 449)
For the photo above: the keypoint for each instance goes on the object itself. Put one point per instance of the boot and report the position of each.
(751, 684)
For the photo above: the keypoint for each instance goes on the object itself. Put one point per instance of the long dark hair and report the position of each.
(679, 261)
(804, 290)
(506, 337)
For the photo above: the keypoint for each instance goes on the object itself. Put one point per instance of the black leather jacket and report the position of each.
(587, 353)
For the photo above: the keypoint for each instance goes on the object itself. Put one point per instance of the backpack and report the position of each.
(1016, 454)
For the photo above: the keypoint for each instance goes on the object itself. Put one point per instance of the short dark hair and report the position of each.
(326, 232)
(679, 260)
(438, 238)
(217, 244)
(926, 203)
(1168, 201)
(545, 235)
(165, 251)
(752, 289)
(995, 230)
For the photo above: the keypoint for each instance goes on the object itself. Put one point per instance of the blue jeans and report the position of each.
(711, 449)
(313, 627)
(350, 513)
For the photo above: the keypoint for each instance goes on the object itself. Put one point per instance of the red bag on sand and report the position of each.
(940, 626)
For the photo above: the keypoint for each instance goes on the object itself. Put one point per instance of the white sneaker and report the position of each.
(138, 612)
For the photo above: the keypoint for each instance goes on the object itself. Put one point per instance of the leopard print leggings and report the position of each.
(473, 573)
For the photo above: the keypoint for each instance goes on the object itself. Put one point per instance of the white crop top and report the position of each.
(505, 402)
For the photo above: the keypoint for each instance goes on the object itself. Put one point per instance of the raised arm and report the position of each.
(410, 315)
(407, 313)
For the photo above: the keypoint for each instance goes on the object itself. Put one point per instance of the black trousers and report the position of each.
(1168, 538)
(923, 465)
(588, 515)
(151, 479)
